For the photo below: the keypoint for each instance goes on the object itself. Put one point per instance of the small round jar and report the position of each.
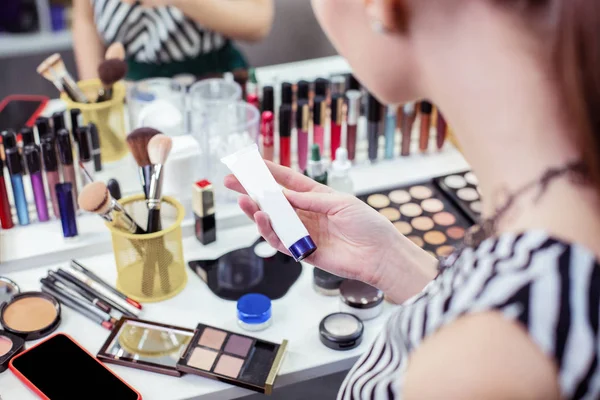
(359, 299)
(341, 331)
(325, 283)
(254, 312)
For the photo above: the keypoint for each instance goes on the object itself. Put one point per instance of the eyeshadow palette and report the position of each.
(462, 188)
(233, 358)
(424, 215)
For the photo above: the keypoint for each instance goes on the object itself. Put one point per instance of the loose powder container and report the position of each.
(341, 331)
(359, 299)
(30, 315)
(325, 283)
(254, 312)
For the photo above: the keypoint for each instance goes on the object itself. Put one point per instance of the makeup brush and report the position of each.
(110, 72)
(159, 148)
(115, 51)
(95, 198)
(53, 68)
(138, 145)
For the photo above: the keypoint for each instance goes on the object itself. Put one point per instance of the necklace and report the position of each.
(576, 170)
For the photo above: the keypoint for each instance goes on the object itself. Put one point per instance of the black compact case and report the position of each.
(452, 187)
(10, 346)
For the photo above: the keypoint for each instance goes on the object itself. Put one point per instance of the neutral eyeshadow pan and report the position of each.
(202, 358)
(212, 338)
(456, 232)
(444, 251)
(444, 218)
(403, 227)
(468, 194)
(422, 223)
(411, 210)
(455, 182)
(399, 196)
(238, 345)
(432, 205)
(29, 314)
(420, 192)
(229, 366)
(434, 237)
(390, 213)
(378, 201)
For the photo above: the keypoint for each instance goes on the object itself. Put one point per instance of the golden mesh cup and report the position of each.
(109, 117)
(150, 267)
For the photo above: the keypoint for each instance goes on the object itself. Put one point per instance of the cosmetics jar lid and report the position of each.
(8, 289)
(357, 294)
(254, 309)
(326, 280)
(341, 331)
(31, 315)
(10, 346)
(303, 248)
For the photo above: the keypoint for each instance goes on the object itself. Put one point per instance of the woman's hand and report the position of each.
(353, 240)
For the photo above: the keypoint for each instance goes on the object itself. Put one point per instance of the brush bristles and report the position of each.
(115, 51)
(56, 63)
(95, 198)
(159, 148)
(112, 71)
(48, 63)
(138, 144)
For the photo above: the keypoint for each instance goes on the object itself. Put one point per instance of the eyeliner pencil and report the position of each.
(78, 267)
(69, 286)
(83, 286)
(84, 309)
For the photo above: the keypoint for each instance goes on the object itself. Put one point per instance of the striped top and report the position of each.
(552, 288)
(153, 35)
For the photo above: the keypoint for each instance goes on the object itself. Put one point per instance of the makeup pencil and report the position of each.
(31, 152)
(6, 221)
(319, 117)
(353, 98)
(67, 286)
(426, 109)
(302, 126)
(285, 135)
(337, 119)
(48, 148)
(16, 169)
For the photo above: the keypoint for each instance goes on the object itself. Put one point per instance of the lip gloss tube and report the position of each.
(303, 90)
(6, 221)
(96, 153)
(68, 219)
(16, 169)
(65, 152)
(43, 127)
(85, 154)
(426, 110)
(353, 97)
(27, 136)
(319, 117)
(373, 120)
(267, 134)
(302, 125)
(253, 99)
(322, 87)
(51, 167)
(250, 169)
(287, 93)
(390, 131)
(442, 130)
(31, 153)
(285, 135)
(58, 121)
(409, 114)
(268, 99)
(337, 118)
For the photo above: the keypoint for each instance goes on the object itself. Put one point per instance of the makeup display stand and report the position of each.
(26, 254)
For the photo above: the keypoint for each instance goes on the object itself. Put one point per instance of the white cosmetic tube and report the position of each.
(250, 169)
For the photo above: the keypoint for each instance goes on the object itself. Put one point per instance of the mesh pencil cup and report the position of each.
(109, 117)
(150, 267)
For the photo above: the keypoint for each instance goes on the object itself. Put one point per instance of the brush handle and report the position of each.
(104, 94)
(154, 224)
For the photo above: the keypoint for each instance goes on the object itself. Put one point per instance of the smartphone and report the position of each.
(19, 111)
(59, 368)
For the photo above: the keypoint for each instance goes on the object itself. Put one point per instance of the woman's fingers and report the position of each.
(248, 206)
(232, 183)
(321, 203)
(266, 231)
(291, 179)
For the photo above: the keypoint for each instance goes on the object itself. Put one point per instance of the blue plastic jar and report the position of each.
(254, 312)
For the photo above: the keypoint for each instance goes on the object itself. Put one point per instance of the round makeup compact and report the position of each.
(341, 331)
(325, 283)
(359, 299)
(10, 346)
(29, 315)
(254, 312)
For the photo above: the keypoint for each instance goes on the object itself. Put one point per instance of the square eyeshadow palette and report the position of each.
(462, 188)
(233, 358)
(424, 215)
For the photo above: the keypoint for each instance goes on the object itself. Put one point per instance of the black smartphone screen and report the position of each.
(16, 113)
(60, 369)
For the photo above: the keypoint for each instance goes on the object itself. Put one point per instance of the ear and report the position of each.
(390, 14)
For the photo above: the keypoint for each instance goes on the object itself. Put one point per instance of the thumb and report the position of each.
(317, 202)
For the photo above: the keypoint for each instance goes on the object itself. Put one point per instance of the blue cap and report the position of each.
(254, 309)
(303, 248)
(66, 206)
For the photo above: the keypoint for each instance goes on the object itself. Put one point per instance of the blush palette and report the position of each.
(233, 358)
(424, 215)
(462, 188)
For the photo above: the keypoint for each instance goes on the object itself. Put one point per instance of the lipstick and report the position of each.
(373, 120)
(203, 203)
(302, 126)
(285, 134)
(85, 154)
(409, 113)
(267, 134)
(442, 130)
(65, 153)
(337, 118)
(6, 221)
(353, 97)
(426, 109)
(33, 160)
(319, 117)
(16, 169)
(48, 149)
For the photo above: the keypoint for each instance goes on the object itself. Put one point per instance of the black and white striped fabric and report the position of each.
(550, 287)
(158, 35)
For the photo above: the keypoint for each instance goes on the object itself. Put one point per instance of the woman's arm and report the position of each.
(480, 356)
(237, 19)
(88, 47)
